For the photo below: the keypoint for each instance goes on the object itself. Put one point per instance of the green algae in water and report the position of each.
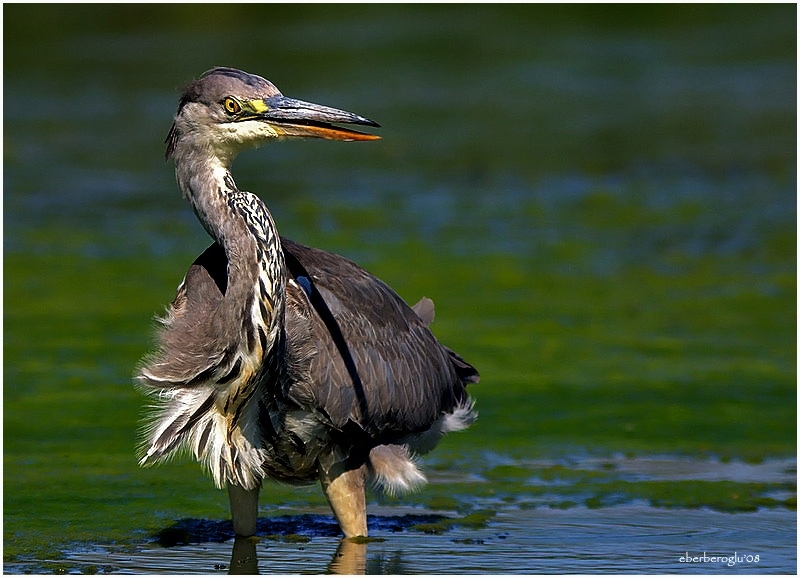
(77, 383)
(474, 520)
(477, 519)
(288, 538)
(365, 540)
(605, 488)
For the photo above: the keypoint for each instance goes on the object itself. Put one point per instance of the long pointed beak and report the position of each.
(291, 117)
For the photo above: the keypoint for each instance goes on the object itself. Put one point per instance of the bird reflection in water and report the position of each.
(350, 558)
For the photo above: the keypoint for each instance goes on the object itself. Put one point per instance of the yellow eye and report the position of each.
(232, 105)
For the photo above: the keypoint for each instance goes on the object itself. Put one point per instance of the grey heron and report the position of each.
(280, 361)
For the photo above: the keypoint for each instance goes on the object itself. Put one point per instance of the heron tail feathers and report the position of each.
(393, 470)
(462, 416)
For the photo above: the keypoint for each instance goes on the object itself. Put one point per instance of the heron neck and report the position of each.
(242, 225)
(206, 182)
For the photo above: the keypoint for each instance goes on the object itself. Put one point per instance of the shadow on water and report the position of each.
(287, 528)
(350, 556)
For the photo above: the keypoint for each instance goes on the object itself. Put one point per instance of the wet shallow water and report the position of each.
(624, 539)
(527, 537)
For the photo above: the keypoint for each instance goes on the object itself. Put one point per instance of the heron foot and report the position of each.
(244, 509)
(346, 495)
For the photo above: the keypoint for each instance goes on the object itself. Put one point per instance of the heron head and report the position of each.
(227, 110)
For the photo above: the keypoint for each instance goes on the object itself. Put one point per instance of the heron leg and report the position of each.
(244, 509)
(346, 494)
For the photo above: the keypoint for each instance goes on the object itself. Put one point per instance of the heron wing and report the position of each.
(191, 373)
(377, 363)
(191, 345)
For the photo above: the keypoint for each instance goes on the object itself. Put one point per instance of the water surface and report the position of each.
(632, 539)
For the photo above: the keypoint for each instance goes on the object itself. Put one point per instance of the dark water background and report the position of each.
(601, 200)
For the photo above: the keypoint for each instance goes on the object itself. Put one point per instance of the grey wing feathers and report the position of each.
(407, 378)
(194, 348)
(191, 345)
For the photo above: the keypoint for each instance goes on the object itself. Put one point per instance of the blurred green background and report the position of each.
(601, 200)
